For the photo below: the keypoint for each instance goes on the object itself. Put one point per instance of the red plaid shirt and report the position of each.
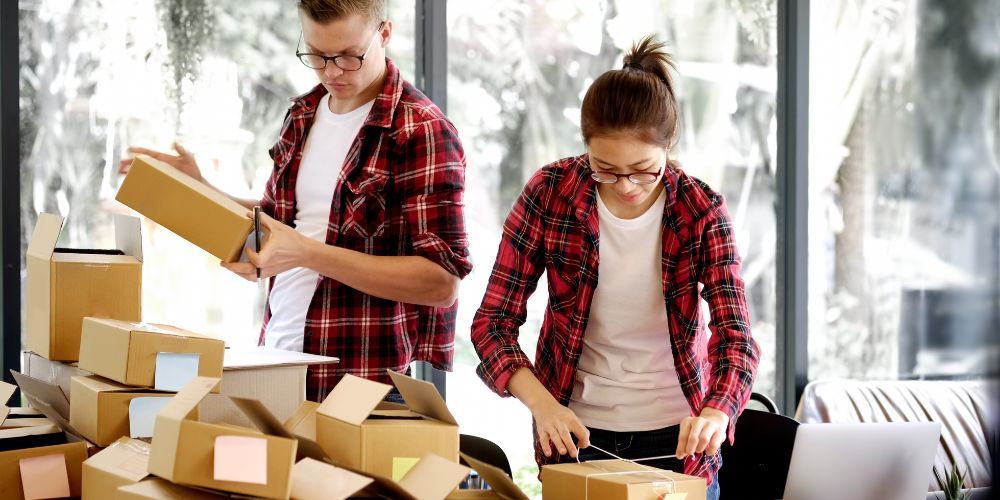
(553, 228)
(399, 193)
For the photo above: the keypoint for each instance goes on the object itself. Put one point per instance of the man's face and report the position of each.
(351, 36)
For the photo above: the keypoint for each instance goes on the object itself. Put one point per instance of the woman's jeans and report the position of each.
(637, 445)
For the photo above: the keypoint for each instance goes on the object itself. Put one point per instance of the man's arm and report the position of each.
(184, 162)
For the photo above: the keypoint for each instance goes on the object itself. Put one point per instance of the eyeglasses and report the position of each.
(640, 178)
(343, 61)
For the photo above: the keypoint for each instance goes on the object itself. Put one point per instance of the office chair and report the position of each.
(761, 402)
(756, 466)
(484, 450)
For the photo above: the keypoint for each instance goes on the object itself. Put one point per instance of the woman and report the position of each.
(627, 241)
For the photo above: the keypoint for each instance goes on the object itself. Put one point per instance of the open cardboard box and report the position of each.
(28, 432)
(65, 285)
(501, 485)
(617, 480)
(190, 453)
(192, 210)
(122, 463)
(129, 352)
(102, 409)
(355, 433)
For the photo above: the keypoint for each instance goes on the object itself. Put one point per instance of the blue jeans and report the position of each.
(636, 445)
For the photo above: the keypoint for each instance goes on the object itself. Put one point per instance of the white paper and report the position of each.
(174, 370)
(142, 415)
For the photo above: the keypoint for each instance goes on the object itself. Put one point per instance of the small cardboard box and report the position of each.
(154, 488)
(354, 433)
(617, 480)
(185, 451)
(189, 208)
(124, 462)
(65, 285)
(17, 477)
(127, 352)
(101, 408)
(502, 487)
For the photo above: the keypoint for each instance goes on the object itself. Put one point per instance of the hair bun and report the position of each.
(650, 56)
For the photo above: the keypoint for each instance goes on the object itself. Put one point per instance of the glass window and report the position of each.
(518, 71)
(98, 77)
(904, 188)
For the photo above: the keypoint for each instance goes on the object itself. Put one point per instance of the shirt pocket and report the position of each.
(365, 206)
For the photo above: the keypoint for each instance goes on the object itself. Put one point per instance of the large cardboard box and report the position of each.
(65, 285)
(66, 468)
(275, 377)
(355, 433)
(186, 452)
(617, 480)
(127, 352)
(124, 462)
(189, 208)
(101, 408)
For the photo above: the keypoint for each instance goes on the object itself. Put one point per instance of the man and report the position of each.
(364, 210)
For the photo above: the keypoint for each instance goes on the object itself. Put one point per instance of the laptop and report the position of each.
(874, 461)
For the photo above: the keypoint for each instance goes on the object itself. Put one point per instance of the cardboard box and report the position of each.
(154, 488)
(127, 352)
(65, 285)
(275, 377)
(430, 478)
(18, 433)
(124, 462)
(185, 451)
(69, 460)
(354, 433)
(617, 480)
(303, 421)
(101, 408)
(192, 210)
(315, 480)
(501, 485)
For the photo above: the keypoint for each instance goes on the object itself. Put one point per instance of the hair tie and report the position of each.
(635, 65)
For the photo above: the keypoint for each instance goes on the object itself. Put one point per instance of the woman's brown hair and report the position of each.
(636, 99)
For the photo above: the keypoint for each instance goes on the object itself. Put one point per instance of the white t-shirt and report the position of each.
(323, 157)
(626, 380)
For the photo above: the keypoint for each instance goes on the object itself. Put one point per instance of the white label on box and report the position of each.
(142, 415)
(174, 370)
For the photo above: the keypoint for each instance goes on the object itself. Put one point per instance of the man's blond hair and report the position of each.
(325, 11)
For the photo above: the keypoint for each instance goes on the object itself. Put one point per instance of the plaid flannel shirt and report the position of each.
(553, 228)
(399, 193)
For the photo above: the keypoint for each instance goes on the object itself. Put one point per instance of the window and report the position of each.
(904, 189)
(517, 75)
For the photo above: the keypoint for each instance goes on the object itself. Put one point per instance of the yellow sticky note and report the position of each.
(44, 477)
(402, 465)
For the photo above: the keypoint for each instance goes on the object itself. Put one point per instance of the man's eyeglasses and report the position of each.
(640, 178)
(343, 61)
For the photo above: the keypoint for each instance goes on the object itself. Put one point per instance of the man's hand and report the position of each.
(284, 249)
(702, 434)
(183, 161)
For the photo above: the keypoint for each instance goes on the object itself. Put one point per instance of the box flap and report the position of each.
(315, 480)
(186, 400)
(159, 489)
(6, 391)
(128, 235)
(353, 399)
(422, 397)
(48, 399)
(257, 357)
(433, 477)
(268, 424)
(101, 384)
(45, 235)
(127, 458)
(499, 481)
(167, 428)
(303, 421)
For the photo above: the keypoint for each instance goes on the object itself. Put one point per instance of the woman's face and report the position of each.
(625, 154)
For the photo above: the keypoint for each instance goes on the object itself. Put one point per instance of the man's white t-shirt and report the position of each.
(323, 155)
(625, 379)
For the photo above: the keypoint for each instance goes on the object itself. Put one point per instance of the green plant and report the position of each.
(953, 484)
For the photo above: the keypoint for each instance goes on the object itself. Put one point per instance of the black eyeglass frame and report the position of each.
(631, 177)
(340, 57)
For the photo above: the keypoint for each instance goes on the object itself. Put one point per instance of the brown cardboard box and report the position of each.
(66, 285)
(183, 450)
(154, 488)
(431, 478)
(126, 352)
(100, 409)
(315, 480)
(356, 434)
(303, 421)
(501, 485)
(28, 432)
(48, 399)
(124, 462)
(617, 480)
(10, 467)
(189, 208)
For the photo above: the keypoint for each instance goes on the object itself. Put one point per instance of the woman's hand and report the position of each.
(702, 434)
(554, 423)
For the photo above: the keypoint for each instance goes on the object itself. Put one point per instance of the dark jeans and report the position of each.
(637, 445)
